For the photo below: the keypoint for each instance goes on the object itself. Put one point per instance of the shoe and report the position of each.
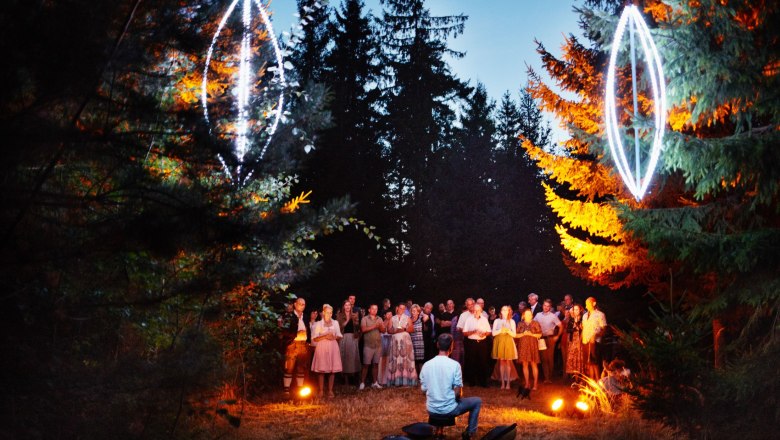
(362, 386)
(376, 386)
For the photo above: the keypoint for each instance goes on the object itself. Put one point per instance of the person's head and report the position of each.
(428, 308)
(327, 312)
(568, 300)
(477, 310)
(351, 299)
(346, 307)
(372, 310)
(400, 309)
(450, 305)
(299, 305)
(522, 305)
(576, 310)
(470, 304)
(528, 316)
(547, 306)
(533, 299)
(444, 343)
(591, 304)
(506, 312)
(492, 311)
(415, 311)
(388, 314)
(386, 303)
(409, 304)
(481, 303)
(442, 308)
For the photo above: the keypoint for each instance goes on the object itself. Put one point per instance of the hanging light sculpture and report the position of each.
(635, 179)
(243, 87)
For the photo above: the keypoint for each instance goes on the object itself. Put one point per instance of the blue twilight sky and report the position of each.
(498, 38)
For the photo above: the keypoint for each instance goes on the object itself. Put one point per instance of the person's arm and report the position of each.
(337, 334)
(410, 326)
(457, 383)
(512, 328)
(497, 327)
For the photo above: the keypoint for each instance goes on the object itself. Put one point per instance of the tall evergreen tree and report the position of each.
(311, 41)
(420, 94)
(348, 159)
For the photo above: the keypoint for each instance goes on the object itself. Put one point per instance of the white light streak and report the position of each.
(636, 182)
(244, 83)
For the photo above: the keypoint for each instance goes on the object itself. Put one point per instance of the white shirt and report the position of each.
(548, 322)
(301, 336)
(509, 324)
(593, 324)
(471, 324)
(319, 329)
(462, 318)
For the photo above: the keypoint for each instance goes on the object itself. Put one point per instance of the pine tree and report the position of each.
(132, 265)
(312, 41)
(590, 230)
(420, 92)
(348, 159)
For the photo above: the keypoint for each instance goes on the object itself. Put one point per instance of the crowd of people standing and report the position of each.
(391, 343)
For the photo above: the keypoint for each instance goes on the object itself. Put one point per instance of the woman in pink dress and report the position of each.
(327, 356)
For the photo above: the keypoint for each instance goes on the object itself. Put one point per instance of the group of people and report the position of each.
(392, 343)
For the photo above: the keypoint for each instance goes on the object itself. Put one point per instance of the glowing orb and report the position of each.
(557, 405)
(636, 180)
(243, 87)
(305, 392)
(582, 406)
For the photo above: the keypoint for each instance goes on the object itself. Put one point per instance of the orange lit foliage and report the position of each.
(598, 249)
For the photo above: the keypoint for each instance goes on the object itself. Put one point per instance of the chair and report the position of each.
(440, 422)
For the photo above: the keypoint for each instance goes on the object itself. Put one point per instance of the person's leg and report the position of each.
(331, 379)
(468, 362)
(321, 379)
(483, 363)
(525, 375)
(374, 373)
(289, 366)
(363, 374)
(535, 371)
(472, 405)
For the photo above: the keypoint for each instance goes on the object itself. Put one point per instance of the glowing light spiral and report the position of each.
(635, 180)
(244, 82)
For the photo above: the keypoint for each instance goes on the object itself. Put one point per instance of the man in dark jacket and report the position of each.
(295, 335)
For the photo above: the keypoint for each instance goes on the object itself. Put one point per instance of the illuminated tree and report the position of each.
(597, 248)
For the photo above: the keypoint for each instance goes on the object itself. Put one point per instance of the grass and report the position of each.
(374, 414)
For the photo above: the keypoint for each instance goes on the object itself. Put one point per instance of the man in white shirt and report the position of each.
(476, 329)
(551, 329)
(442, 382)
(594, 323)
(469, 310)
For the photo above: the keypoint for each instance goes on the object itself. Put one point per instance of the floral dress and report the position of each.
(418, 341)
(575, 363)
(528, 346)
(400, 366)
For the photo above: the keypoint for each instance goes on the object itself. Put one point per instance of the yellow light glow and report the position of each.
(582, 406)
(557, 405)
(305, 392)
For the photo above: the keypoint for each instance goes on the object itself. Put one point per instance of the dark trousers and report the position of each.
(476, 362)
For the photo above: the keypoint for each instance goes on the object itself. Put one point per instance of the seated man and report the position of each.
(442, 382)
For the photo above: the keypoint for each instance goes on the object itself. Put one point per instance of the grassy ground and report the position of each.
(373, 414)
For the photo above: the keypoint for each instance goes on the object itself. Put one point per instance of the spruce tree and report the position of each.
(420, 92)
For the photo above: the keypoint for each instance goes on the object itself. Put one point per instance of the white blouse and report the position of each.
(320, 329)
(509, 324)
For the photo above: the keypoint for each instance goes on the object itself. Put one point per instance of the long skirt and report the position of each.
(350, 355)
(575, 362)
(327, 358)
(400, 366)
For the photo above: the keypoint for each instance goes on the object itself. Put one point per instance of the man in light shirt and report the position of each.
(551, 329)
(295, 332)
(594, 323)
(442, 382)
(476, 329)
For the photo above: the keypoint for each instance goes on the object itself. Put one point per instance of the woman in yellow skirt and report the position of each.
(504, 350)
